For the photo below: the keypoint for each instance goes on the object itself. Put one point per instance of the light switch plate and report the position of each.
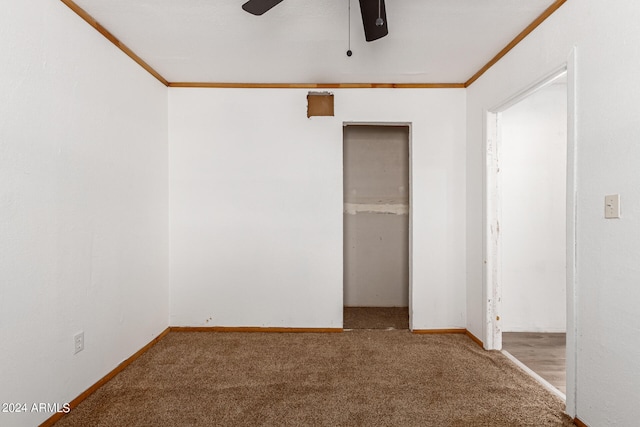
(78, 342)
(612, 206)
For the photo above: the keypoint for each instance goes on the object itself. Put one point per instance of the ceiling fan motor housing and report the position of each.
(374, 15)
(374, 19)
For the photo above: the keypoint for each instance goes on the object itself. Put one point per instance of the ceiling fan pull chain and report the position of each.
(379, 21)
(349, 52)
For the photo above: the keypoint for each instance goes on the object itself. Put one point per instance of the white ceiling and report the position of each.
(305, 41)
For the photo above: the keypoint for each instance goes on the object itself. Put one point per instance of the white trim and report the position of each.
(547, 80)
(572, 239)
(491, 280)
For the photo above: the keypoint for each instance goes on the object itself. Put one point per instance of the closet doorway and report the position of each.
(376, 163)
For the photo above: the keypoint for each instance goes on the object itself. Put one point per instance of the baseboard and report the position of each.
(88, 392)
(251, 329)
(449, 331)
(439, 331)
(474, 338)
(579, 423)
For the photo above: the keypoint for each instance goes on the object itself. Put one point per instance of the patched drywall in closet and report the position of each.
(376, 216)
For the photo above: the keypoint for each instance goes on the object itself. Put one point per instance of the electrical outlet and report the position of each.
(78, 341)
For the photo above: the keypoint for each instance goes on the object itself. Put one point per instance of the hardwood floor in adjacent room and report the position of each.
(543, 353)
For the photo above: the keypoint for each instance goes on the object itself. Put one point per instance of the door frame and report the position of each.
(492, 292)
(410, 231)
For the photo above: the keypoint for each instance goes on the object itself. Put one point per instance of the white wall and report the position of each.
(256, 205)
(606, 38)
(533, 168)
(83, 206)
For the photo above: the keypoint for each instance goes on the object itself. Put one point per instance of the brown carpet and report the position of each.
(376, 318)
(366, 377)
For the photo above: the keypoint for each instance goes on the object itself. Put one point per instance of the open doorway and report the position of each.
(529, 214)
(376, 226)
(533, 168)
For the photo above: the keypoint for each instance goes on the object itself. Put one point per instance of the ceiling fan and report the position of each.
(374, 15)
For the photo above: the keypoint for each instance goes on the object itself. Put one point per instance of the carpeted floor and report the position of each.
(376, 318)
(365, 377)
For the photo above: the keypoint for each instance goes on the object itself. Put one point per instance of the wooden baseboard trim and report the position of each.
(438, 331)
(88, 392)
(251, 329)
(474, 338)
(449, 331)
(579, 423)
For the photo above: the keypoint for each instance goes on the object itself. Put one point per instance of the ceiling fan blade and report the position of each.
(371, 11)
(258, 7)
